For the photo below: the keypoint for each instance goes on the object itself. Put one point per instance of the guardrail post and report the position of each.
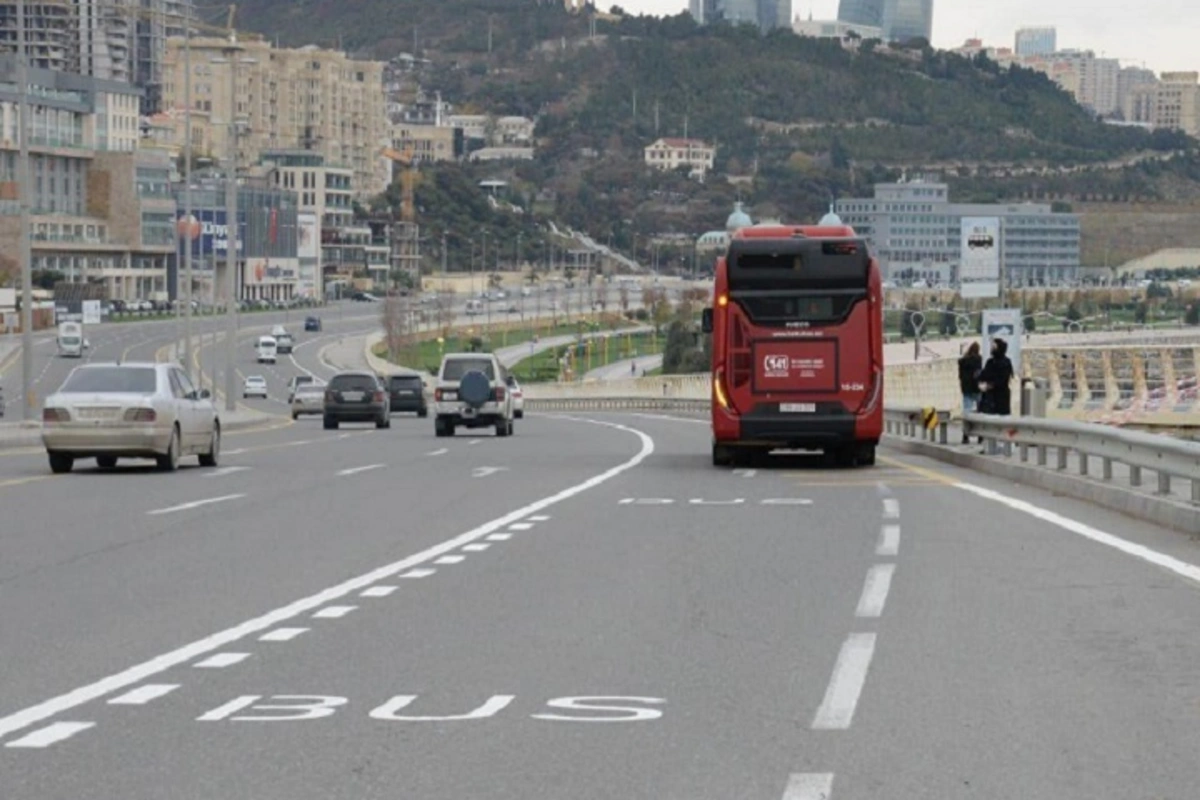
(1023, 449)
(944, 432)
(1041, 455)
(1062, 458)
(1135, 475)
(1196, 490)
(1083, 463)
(1164, 483)
(1106, 467)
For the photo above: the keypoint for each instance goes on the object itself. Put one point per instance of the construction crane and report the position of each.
(408, 181)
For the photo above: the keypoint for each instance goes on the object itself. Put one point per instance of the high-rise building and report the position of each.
(104, 32)
(1040, 41)
(904, 20)
(49, 32)
(900, 20)
(1177, 102)
(861, 12)
(290, 99)
(157, 21)
(766, 14)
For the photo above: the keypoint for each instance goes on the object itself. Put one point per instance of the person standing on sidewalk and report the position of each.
(969, 366)
(995, 381)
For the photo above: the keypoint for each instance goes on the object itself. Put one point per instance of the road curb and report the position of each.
(1160, 510)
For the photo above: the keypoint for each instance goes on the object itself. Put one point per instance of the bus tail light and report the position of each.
(719, 388)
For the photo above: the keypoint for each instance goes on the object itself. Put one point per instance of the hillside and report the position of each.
(799, 120)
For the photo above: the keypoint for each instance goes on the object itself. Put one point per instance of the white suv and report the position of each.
(472, 392)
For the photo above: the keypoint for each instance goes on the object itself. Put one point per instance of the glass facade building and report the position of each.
(900, 20)
(916, 232)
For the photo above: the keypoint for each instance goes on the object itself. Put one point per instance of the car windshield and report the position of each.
(255, 379)
(70, 340)
(456, 368)
(126, 380)
(353, 383)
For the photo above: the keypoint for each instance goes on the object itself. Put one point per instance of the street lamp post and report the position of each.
(187, 198)
(25, 254)
(231, 219)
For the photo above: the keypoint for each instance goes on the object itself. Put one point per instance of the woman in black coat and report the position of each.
(995, 380)
(969, 366)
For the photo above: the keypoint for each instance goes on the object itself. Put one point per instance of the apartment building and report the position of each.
(1040, 41)
(101, 210)
(916, 232)
(429, 143)
(287, 99)
(672, 153)
(49, 32)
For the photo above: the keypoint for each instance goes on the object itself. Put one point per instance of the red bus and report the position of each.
(797, 348)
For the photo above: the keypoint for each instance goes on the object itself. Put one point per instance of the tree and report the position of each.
(1192, 317)
(444, 310)
(397, 325)
(1140, 313)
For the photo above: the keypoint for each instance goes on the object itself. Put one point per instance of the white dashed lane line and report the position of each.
(809, 786)
(194, 504)
(418, 573)
(282, 634)
(144, 694)
(55, 732)
(450, 560)
(889, 541)
(875, 591)
(845, 687)
(222, 660)
(378, 591)
(334, 612)
(891, 508)
(499, 537)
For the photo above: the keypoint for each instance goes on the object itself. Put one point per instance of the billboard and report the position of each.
(979, 259)
(271, 270)
(1006, 324)
(309, 235)
(208, 229)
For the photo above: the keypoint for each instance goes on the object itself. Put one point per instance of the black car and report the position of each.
(407, 393)
(356, 397)
(312, 323)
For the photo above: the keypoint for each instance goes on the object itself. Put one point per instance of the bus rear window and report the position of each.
(766, 308)
(799, 264)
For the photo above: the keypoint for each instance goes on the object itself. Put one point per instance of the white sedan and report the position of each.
(132, 410)
(518, 398)
(255, 386)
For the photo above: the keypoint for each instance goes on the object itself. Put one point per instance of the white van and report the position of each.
(267, 349)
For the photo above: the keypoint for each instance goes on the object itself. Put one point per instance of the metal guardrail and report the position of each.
(1168, 458)
(930, 424)
(617, 404)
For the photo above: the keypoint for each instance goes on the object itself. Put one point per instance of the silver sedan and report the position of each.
(133, 410)
(308, 399)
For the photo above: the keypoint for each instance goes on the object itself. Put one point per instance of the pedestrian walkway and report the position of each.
(626, 368)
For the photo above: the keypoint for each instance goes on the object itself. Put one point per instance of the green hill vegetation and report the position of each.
(800, 121)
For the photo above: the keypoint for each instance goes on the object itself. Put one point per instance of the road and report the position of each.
(585, 610)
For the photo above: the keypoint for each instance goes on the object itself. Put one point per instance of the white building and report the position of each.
(670, 153)
(836, 29)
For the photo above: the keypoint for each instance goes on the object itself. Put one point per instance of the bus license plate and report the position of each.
(798, 408)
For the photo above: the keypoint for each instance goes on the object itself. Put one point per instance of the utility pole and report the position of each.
(231, 257)
(187, 196)
(444, 258)
(24, 184)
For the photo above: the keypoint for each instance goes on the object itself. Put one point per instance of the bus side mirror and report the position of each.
(706, 320)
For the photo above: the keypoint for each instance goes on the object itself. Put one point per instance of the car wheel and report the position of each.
(424, 412)
(213, 455)
(381, 423)
(331, 424)
(519, 414)
(721, 455)
(511, 428)
(106, 462)
(60, 463)
(170, 461)
(503, 428)
(295, 417)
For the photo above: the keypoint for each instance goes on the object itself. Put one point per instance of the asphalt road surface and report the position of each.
(585, 610)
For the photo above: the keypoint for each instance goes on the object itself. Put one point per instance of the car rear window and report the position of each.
(405, 382)
(129, 380)
(455, 368)
(353, 383)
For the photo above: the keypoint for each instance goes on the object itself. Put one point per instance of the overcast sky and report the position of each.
(1161, 34)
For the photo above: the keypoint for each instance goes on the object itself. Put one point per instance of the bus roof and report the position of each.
(796, 231)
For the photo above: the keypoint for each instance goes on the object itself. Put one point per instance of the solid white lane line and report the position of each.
(144, 694)
(450, 560)
(478, 547)
(378, 591)
(1180, 568)
(540, 518)
(889, 541)
(441, 452)
(474, 441)
(44, 737)
(282, 634)
(875, 590)
(745, 473)
(845, 686)
(237, 452)
(195, 504)
(221, 660)
(139, 672)
(786, 501)
(891, 508)
(223, 471)
(499, 537)
(809, 786)
(521, 526)
(418, 573)
(300, 443)
(356, 470)
(334, 612)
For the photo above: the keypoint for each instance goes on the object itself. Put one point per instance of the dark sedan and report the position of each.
(356, 397)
